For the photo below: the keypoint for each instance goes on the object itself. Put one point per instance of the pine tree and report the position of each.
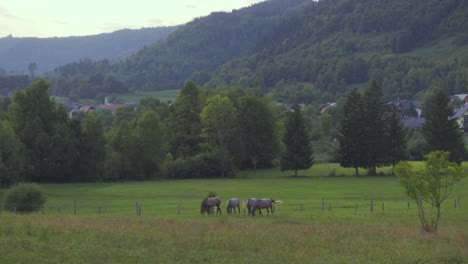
(374, 127)
(350, 133)
(394, 139)
(440, 132)
(298, 154)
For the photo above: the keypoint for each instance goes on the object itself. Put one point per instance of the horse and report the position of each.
(233, 203)
(264, 203)
(250, 203)
(208, 203)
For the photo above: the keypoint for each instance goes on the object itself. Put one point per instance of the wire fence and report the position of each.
(190, 208)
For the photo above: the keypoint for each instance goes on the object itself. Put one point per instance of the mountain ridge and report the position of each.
(17, 53)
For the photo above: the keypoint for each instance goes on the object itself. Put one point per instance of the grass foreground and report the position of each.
(323, 219)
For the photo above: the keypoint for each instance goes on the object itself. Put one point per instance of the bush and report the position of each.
(26, 197)
(203, 165)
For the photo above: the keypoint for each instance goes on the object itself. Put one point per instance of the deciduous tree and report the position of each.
(219, 120)
(43, 128)
(430, 186)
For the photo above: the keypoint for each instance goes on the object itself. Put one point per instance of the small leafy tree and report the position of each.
(431, 186)
(25, 197)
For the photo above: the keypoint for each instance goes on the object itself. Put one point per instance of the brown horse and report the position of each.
(208, 203)
(262, 204)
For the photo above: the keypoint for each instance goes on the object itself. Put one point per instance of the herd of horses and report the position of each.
(254, 205)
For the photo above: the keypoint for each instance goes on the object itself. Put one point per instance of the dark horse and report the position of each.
(208, 203)
(262, 204)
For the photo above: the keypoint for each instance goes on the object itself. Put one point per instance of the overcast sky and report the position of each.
(50, 18)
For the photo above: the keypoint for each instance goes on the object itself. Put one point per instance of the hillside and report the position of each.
(297, 50)
(16, 54)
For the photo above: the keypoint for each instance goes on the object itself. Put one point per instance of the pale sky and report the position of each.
(58, 18)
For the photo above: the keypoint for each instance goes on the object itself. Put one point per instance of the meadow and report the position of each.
(163, 96)
(325, 217)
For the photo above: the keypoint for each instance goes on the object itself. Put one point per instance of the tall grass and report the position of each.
(171, 229)
(37, 239)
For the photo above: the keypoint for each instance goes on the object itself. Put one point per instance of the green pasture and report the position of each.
(163, 96)
(170, 229)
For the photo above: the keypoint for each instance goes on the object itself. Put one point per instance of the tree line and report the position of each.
(204, 133)
(371, 134)
(208, 133)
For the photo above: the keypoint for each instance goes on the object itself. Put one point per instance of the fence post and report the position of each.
(14, 209)
(408, 203)
(383, 206)
(99, 210)
(139, 210)
(323, 204)
(136, 208)
(58, 209)
(329, 207)
(372, 206)
(74, 207)
(178, 208)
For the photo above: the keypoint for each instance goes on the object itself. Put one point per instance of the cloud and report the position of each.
(157, 22)
(191, 6)
(5, 13)
(61, 22)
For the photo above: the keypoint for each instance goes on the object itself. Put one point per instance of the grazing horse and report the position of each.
(264, 203)
(233, 203)
(208, 203)
(250, 203)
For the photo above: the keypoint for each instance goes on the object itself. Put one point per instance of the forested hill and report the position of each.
(16, 54)
(307, 50)
(198, 48)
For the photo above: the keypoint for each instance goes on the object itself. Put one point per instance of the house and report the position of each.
(413, 122)
(325, 106)
(110, 107)
(461, 115)
(408, 108)
(463, 98)
(77, 108)
(85, 108)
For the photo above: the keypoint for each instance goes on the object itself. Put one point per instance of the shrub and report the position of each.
(211, 194)
(203, 165)
(26, 197)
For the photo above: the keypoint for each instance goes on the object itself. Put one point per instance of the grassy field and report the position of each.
(171, 230)
(163, 96)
